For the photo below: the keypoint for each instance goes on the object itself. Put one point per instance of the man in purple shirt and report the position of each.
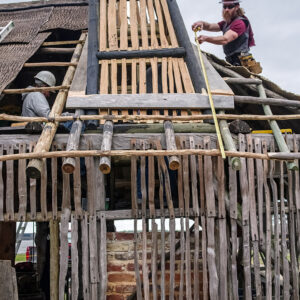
(237, 35)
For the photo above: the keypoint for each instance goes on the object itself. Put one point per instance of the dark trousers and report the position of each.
(234, 59)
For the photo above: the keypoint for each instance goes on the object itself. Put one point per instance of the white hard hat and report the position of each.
(46, 77)
(230, 1)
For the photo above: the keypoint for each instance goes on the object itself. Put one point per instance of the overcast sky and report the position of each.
(276, 26)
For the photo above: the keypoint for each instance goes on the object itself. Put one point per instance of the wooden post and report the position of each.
(105, 161)
(35, 166)
(171, 145)
(229, 143)
(184, 41)
(8, 281)
(54, 259)
(73, 144)
(276, 130)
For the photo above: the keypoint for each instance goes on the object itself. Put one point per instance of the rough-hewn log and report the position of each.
(35, 166)
(45, 44)
(36, 89)
(229, 143)
(168, 52)
(243, 81)
(105, 161)
(266, 101)
(73, 143)
(276, 130)
(113, 153)
(174, 162)
(57, 51)
(49, 64)
(8, 281)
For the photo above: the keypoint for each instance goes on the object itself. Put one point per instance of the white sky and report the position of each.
(276, 26)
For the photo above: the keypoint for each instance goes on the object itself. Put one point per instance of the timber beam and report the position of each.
(160, 53)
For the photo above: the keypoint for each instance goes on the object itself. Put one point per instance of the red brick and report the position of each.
(114, 297)
(130, 267)
(121, 277)
(124, 256)
(115, 268)
(124, 236)
(123, 289)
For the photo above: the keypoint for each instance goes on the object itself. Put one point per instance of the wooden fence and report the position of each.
(245, 232)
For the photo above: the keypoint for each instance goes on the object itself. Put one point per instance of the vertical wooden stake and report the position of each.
(54, 259)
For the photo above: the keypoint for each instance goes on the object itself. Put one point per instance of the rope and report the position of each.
(212, 106)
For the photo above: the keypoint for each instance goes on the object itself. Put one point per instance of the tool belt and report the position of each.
(250, 63)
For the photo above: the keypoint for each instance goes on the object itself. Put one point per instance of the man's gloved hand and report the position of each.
(198, 26)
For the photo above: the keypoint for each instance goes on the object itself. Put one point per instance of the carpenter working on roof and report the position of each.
(35, 104)
(237, 35)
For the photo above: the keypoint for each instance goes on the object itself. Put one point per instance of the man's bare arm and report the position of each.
(228, 37)
(213, 27)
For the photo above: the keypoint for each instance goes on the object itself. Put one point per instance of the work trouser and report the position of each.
(234, 59)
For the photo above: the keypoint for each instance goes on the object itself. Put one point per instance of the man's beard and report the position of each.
(227, 16)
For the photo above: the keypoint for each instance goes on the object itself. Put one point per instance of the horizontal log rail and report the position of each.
(167, 52)
(36, 89)
(130, 153)
(49, 64)
(45, 44)
(7, 117)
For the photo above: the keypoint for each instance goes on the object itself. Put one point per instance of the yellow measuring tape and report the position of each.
(212, 106)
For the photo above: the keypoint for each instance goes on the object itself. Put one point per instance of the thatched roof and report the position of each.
(32, 20)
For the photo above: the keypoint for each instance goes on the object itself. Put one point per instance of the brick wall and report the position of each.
(120, 265)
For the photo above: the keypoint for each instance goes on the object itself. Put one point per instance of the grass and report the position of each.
(21, 257)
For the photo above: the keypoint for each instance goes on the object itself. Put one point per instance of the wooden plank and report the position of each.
(233, 223)
(136, 263)
(80, 77)
(54, 259)
(90, 173)
(193, 166)
(103, 258)
(253, 219)
(223, 291)
(144, 30)
(43, 194)
(177, 76)
(172, 259)
(112, 25)
(260, 199)
(64, 251)
(133, 77)
(134, 25)
(74, 257)
(104, 77)
(187, 82)
(103, 26)
(66, 198)
(154, 260)
(8, 281)
(114, 77)
(134, 204)
(54, 183)
(211, 214)
(276, 223)
(182, 261)
(151, 186)
(94, 272)
(268, 217)
(245, 219)
(292, 241)
(22, 184)
(10, 184)
(151, 101)
(169, 24)
(32, 191)
(170, 75)
(285, 262)
(124, 25)
(124, 77)
(85, 257)
(144, 262)
(77, 189)
(161, 26)
(1, 187)
(196, 261)
(154, 42)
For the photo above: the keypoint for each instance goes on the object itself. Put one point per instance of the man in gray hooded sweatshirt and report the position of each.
(35, 104)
